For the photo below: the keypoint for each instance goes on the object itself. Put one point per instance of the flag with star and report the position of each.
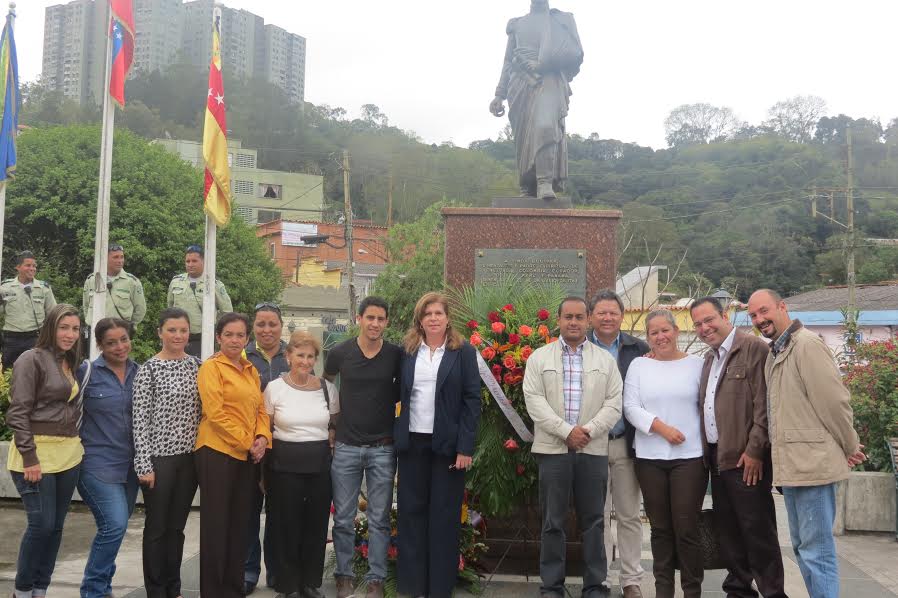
(217, 190)
(122, 32)
(11, 100)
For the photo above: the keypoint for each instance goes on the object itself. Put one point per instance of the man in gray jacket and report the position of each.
(813, 442)
(572, 389)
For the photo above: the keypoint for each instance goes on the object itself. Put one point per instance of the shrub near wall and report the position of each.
(873, 382)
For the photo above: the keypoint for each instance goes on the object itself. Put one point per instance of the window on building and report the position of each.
(243, 187)
(246, 161)
(263, 216)
(270, 191)
(271, 250)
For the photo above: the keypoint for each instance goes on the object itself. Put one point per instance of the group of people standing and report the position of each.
(615, 417)
(252, 427)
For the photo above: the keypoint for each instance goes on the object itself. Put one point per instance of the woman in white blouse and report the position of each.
(661, 401)
(302, 407)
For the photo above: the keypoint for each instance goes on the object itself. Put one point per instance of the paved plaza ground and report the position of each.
(868, 562)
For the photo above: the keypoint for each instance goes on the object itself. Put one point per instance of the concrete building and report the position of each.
(259, 195)
(167, 31)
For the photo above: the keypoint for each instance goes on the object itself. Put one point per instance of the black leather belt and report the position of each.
(13, 334)
(378, 443)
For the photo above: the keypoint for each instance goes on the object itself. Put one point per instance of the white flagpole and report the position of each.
(101, 243)
(208, 339)
(12, 11)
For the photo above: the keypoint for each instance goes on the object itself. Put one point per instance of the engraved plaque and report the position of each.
(564, 267)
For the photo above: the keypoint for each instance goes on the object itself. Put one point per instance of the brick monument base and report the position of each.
(593, 232)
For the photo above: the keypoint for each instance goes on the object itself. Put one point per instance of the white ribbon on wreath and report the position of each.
(502, 401)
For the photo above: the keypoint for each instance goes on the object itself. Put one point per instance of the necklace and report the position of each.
(304, 384)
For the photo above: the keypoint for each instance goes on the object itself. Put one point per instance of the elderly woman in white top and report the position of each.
(302, 407)
(661, 401)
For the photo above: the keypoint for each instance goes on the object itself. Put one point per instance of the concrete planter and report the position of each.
(865, 502)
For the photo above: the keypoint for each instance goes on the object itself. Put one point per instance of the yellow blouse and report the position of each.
(54, 453)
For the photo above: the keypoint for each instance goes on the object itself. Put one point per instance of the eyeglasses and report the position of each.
(194, 249)
(261, 306)
(115, 247)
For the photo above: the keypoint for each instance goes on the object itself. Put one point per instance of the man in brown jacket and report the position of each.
(812, 436)
(733, 400)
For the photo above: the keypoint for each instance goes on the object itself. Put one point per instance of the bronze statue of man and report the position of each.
(543, 55)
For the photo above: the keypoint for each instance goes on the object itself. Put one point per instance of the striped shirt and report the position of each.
(572, 380)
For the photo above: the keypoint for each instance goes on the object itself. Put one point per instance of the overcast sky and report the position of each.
(432, 66)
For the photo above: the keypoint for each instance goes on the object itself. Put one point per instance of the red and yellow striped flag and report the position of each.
(217, 191)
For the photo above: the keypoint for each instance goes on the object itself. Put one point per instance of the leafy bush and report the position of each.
(873, 382)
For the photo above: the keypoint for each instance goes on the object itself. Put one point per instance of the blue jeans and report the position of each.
(378, 464)
(812, 511)
(46, 504)
(111, 505)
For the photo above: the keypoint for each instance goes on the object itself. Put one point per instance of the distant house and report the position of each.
(821, 312)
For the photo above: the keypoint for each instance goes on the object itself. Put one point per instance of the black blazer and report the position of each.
(457, 409)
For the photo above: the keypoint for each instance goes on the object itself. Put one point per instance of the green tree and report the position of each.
(156, 212)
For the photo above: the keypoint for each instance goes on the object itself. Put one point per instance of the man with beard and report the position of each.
(543, 55)
(369, 389)
(812, 436)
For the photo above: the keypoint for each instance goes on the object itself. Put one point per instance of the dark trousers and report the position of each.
(46, 504)
(745, 520)
(167, 508)
(429, 506)
(16, 343)
(672, 492)
(583, 478)
(300, 511)
(254, 550)
(226, 494)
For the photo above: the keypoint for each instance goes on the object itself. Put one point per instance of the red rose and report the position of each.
(461, 563)
(514, 339)
(543, 314)
(488, 353)
(472, 324)
(498, 327)
(493, 316)
(498, 377)
(511, 446)
(520, 469)
(509, 361)
(508, 379)
(497, 370)
(476, 339)
(392, 552)
(525, 330)
(508, 307)
(526, 352)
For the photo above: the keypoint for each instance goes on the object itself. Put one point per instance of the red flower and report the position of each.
(543, 314)
(488, 353)
(333, 509)
(526, 352)
(392, 552)
(543, 330)
(476, 339)
(514, 339)
(511, 446)
(493, 316)
(525, 330)
(509, 361)
(362, 549)
(498, 377)
(461, 563)
(497, 370)
(512, 379)
(520, 469)
(498, 327)
(472, 324)
(508, 307)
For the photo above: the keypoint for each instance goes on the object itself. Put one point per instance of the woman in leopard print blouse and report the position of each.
(166, 417)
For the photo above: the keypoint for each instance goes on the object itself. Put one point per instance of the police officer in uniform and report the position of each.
(186, 291)
(124, 292)
(25, 302)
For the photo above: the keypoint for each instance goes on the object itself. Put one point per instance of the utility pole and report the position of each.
(852, 299)
(390, 200)
(347, 222)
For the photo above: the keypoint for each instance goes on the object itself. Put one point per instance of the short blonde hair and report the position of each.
(301, 338)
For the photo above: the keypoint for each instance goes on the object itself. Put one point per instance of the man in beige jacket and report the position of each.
(813, 442)
(573, 393)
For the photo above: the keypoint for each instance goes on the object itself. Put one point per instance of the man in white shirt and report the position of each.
(733, 399)
(572, 418)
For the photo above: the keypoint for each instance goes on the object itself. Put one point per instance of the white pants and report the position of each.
(623, 495)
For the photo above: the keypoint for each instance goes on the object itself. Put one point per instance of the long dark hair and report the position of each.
(46, 338)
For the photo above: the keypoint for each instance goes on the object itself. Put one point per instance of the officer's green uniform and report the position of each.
(24, 314)
(124, 300)
(191, 300)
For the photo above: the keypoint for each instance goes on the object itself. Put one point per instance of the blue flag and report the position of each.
(11, 100)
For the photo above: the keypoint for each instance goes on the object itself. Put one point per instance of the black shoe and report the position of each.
(248, 588)
(311, 593)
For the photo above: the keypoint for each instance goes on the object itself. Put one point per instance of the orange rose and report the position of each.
(488, 353)
(509, 361)
(498, 327)
(526, 352)
(476, 339)
(525, 330)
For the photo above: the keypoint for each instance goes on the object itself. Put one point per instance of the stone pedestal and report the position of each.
(591, 233)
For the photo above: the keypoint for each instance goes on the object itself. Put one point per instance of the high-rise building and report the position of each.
(168, 31)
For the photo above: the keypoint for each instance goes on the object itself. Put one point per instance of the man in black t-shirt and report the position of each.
(368, 368)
